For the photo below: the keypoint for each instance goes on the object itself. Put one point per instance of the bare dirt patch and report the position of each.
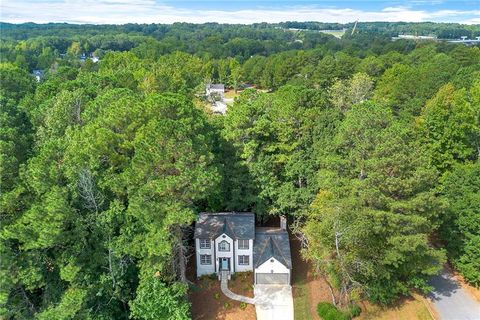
(308, 288)
(408, 308)
(208, 301)
(231, 94)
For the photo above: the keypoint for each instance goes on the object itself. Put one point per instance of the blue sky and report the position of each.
(246, 11)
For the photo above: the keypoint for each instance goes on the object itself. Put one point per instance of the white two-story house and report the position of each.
(230, 242)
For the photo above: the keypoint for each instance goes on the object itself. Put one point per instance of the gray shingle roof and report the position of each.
(237, 225)
(216, 86)
(271, 242)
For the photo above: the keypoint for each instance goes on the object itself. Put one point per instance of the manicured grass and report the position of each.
(301, 302)
(302, 285)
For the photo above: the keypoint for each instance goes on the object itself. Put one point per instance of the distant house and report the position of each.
(211, 89)
(38, 74)
(230, 242)
(215, 93)
(466, 41)
(414, 37)
(244, 86)
(219, 107)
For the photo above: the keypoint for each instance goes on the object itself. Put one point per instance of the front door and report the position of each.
(224, 263)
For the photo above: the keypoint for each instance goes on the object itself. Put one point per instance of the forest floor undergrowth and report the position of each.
(310, 289)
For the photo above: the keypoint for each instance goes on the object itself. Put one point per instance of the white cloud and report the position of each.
(148, 11)
(472, 21)
(429, 2)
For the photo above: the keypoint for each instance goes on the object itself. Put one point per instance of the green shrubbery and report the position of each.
(328, 311)
(354, 310)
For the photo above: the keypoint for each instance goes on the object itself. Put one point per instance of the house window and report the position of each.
(205, 259)
(205, 244)
(224, 246)
(243, 244)
(243, 260)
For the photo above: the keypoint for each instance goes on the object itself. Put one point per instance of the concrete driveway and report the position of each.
(273, 302)
(451, 301)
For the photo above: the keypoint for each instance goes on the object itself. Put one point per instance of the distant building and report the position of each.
(463, 40)
(466, 41)
(244, 86)
(38, 74)
(414, 37)
(215, 89)
(219, 107)
(215, 93)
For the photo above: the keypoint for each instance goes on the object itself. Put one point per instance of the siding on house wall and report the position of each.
(244, 252)
(275, 266)
(201, 268)
(222, 254)
(212, 91)
(232, 254)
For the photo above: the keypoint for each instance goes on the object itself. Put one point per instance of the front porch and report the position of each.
(224, 268)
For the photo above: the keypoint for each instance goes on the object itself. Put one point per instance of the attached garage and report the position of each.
(271, 256)
(272, 278)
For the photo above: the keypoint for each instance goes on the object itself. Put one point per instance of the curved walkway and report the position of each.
(451, 301)
(234, 296)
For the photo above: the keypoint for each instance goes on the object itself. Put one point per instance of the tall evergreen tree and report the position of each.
(368, 228)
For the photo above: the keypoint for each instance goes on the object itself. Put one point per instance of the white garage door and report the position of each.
(272, 278)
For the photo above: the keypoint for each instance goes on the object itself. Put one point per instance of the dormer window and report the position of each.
(224, 246)
(205, 244)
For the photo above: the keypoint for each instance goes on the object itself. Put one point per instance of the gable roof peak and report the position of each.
(227, 229)
(272, 244)
(237, 225)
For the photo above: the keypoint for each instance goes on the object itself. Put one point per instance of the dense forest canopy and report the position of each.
(159, 31)
(370, 146)
(440, 30)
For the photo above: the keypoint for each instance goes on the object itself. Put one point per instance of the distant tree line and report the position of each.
(392, 29)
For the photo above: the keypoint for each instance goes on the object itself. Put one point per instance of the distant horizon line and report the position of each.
(233, 23)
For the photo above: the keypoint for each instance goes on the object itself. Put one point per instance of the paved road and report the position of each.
(451, 301)
(273, 302)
